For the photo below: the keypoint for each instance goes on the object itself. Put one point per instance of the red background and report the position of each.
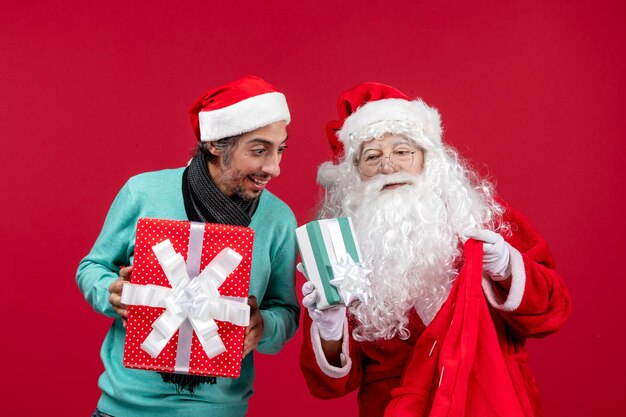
(94, 92)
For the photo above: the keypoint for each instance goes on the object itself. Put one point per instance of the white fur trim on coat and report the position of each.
(328, 369)
(243, 116)
(518, 284)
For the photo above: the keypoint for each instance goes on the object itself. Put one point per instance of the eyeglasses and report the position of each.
(372, 162)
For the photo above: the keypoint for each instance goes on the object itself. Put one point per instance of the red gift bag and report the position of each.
(457, 368)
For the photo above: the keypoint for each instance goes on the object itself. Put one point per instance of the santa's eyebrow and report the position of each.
(370, 149)
(403, 141)
(378, 146)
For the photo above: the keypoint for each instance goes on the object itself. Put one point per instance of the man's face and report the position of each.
(254, 160)
(388, 155)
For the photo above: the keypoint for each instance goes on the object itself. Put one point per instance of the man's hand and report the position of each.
(254, 331)
(330, 321)
(115, 293)
(496, 254)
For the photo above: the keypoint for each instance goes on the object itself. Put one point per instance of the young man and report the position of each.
(241, 129)
(413, 204)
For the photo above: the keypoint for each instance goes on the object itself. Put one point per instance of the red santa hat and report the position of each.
(371, 110)
(236, 108)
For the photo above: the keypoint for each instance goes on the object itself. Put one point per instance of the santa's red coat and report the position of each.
(536, 304)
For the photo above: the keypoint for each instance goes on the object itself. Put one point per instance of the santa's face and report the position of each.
(387, 155)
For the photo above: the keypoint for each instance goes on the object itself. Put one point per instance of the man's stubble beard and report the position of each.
(234, 180)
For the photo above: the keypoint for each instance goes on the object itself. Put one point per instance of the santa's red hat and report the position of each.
(236, 108)
(371, 110)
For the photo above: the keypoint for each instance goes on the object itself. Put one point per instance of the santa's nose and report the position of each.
(387, 166)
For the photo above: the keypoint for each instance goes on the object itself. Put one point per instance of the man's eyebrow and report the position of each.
(265, 141)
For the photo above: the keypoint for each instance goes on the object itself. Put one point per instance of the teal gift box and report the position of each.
(326, 247)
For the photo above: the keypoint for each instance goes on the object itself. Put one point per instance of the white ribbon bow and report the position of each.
(196, 300)
(351, 281)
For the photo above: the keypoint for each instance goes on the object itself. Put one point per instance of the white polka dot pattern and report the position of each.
(146, 270)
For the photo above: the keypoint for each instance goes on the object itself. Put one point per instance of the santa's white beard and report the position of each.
(409, 243)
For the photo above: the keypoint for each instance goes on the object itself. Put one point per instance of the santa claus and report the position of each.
(414, 203)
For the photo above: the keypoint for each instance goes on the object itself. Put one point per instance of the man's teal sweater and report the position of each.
(138, 393)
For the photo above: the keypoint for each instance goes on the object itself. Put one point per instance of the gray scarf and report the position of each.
(204, 202)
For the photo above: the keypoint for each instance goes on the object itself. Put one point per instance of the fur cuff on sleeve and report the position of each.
(518, 283)
(328, 369)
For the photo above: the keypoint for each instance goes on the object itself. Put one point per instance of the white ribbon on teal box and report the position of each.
(332, 261)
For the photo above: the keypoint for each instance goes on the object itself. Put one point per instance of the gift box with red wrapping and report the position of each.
(187, 301)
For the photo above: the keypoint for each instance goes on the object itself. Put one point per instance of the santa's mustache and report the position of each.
(378, 183)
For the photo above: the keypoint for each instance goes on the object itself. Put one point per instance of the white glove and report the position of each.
(496, 253)
(330, 321)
